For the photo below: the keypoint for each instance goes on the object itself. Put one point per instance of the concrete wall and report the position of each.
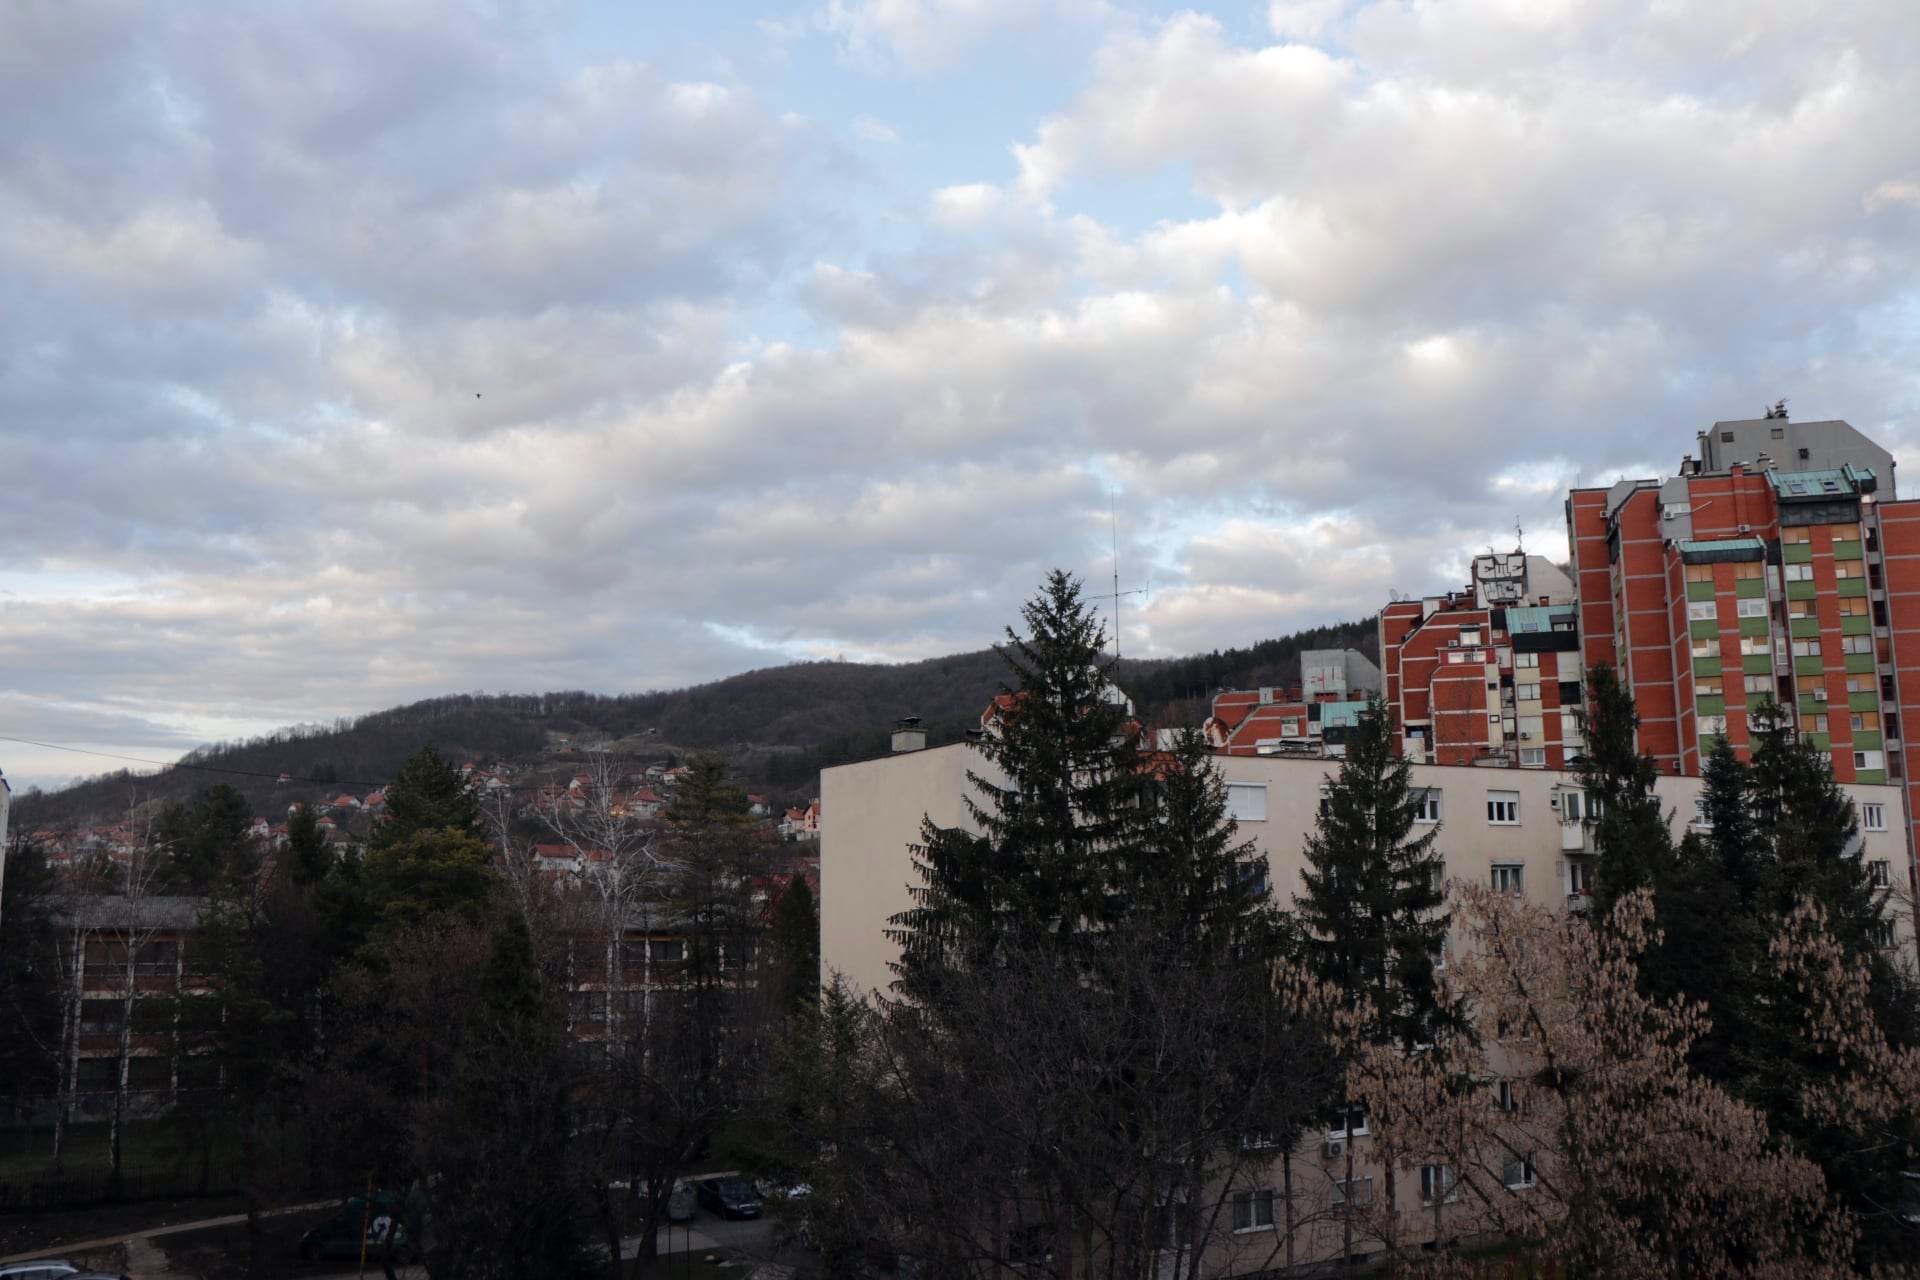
(872, 811)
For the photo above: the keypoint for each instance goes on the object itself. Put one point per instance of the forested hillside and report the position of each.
(781, 725)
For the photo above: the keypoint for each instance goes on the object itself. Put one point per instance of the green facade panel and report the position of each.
(1749, 588)
(1863, 702)
(1706, 666)
(1811, 665)
(1754, 664)
(1797, 553)
(1710, 704)
(1868, 740)
(1849, 587)
(1800, 591)
(1754, 626)
(1856, 625)
(1811, 706)
(1848, 550)
(1703, 628)
(1818, 741)
(1803, 628)
(1699, 591)
(1859, 663)
(1870, 777)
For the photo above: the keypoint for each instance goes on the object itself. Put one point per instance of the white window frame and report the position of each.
(1526, 692)
(1506, 1097)
(1526, 660)
(1253, 1201)
(1430, 806)
(1503, 808)
(1509, 878)
(1702, 610)
(1528, 1175)
(1752, 607)
(1856, 644)
(1797, 573)
(1350, 1132)
(1873, 816)
(1247, 796)
(1364, 1182)
(1880, 873)
(1438, 1184)
(1533, 756)
(1869, 760)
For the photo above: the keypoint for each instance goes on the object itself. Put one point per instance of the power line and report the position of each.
(199, 768)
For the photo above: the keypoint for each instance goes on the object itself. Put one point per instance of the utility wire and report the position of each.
(199, 768)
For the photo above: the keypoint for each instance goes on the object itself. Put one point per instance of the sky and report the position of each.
(361, 352)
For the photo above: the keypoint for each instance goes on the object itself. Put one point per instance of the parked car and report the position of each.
(729, 1197)
(358, 1224)
(51, 1269)
(680, 1205)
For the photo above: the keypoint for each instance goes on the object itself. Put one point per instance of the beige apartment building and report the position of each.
(1521, 831)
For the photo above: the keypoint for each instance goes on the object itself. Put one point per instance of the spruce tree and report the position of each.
(1631, 833)
(1372, 915)
(308, 854)
(427, 794)
(795, 941)
(1057, 815)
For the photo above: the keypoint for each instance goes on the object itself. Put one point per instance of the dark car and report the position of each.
(729, 1197)
(358, 1224)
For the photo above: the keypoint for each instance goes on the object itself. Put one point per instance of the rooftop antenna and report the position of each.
(1519, 536)
(1113, 517)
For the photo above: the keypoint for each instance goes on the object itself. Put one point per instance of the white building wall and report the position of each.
(872, 813)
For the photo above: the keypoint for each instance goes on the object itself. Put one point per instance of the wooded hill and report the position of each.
(781, 725)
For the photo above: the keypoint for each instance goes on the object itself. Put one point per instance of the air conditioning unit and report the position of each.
(1819, 695)
(1334, 1148)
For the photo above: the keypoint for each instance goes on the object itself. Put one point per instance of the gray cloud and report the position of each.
(360, 354)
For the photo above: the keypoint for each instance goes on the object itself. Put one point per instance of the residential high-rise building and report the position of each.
(1490, 674)
(1755, 574)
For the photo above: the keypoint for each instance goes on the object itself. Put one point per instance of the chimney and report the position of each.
(908, 735)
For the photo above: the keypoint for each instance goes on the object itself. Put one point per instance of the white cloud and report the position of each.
(870, 129)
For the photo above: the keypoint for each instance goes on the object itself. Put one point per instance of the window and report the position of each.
(1883, 933)
(1503, 808)
(1253, 873)
(1349, 1121)
(1469, 635)
(1699, 573)
(1797, 572)
(1755, 645)
(1707, 686)
(1506, 1096)
(1508, 877)
(1429, 806)
(1531, 726)
(1849, 568)
(1867, 720)
(1800, 609)
(1456, 656)
(1701, 818)
(1533, 757)
(1759, 684)
(1856, 644)
(668, 950)
(1571, 805)
(1702, 610)
(1873, 817)
(1749, 571)
(1753, 608)
(1711, 726)
(1526, 659)
(1853, 606)
(1813, 724)
(1880, 873)
(1247, 801)
(1518, 1175)
(1705, 647)
(1869, 760)
(1258, 1140)
(1806, 648)
(1253, 1210)
(1436, 1184)
(1844, 532)
(1776, 433)
(1173, 1225)
(1526, 692)
(1357, 1192)
(1797, 533)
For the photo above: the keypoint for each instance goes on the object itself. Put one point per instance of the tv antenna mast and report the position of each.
(1116, 595)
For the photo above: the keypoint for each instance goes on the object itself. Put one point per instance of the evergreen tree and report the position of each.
(31, 987)
(427, 794)
(208, 838)
(1372, 918)
(1631, 833)
(795, 942)
(1057, 817)
(308, 854)
(431, 877)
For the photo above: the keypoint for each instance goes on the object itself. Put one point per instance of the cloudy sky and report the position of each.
(356, 352)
